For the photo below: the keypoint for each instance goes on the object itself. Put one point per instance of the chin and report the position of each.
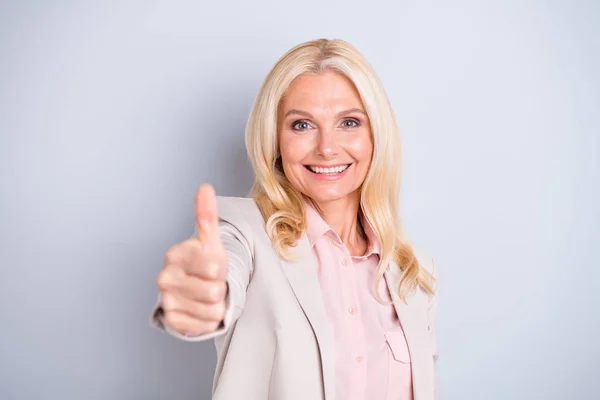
(327, 196)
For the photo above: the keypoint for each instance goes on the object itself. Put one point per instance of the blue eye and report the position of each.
(300, 126)
(350, 123)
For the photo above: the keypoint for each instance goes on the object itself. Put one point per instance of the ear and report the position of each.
(277, 164)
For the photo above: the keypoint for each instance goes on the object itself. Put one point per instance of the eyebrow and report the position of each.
(309, 115)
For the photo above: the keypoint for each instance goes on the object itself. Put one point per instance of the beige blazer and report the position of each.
(276, 341)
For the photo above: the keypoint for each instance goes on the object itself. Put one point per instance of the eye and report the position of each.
(300, 125)
(350, 123)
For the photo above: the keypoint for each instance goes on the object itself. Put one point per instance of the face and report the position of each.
(324, 137)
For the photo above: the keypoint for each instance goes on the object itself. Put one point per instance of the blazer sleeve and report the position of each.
(431, 320)
(236, 236)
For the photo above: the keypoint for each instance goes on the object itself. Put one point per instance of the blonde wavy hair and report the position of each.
(282, 206)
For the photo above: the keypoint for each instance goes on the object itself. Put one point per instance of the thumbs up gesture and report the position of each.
(193, 279)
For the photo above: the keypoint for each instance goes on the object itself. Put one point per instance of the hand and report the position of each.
(193, 279)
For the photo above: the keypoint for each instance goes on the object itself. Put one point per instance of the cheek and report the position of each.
(286, 149)
(291, 157)
(361, 148)
(293, 149)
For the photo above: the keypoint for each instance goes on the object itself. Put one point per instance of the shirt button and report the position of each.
(352, 310)
(345, 261)
(359, 359)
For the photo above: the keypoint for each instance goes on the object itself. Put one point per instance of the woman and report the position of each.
(309, 287)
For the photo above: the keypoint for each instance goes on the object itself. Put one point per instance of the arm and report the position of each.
(431, 320)
(239, 258)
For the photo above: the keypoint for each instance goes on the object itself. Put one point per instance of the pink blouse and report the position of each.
(372, 357)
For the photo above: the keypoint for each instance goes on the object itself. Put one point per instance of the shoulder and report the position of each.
(241, 212)
(427, 262)
(425, 259)
(242, 203)
(236, 206)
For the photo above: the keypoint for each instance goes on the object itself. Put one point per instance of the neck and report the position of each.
(342, 216)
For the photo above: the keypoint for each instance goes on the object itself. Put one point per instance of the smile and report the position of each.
(328, 170)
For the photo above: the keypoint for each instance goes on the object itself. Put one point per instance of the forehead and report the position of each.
(326, 90)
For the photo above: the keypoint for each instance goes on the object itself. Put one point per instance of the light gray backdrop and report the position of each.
(112, 114)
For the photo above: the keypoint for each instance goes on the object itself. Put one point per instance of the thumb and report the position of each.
(207, 220)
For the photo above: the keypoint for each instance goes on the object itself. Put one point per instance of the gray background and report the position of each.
(112, 114)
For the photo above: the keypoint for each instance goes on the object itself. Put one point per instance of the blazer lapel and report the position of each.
(302, 276)
(414, 324)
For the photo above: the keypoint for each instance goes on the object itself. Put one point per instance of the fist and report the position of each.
(192, 281)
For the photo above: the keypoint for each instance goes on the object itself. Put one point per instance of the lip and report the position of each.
(328, 166)
(323, 177)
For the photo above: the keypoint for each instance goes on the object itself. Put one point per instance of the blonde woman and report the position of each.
(309, 287)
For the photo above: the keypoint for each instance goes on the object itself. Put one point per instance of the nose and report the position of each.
(327, 146)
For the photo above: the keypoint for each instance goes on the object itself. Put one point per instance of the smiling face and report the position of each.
(324, 137)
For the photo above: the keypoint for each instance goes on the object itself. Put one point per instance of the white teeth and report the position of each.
(333, 170)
